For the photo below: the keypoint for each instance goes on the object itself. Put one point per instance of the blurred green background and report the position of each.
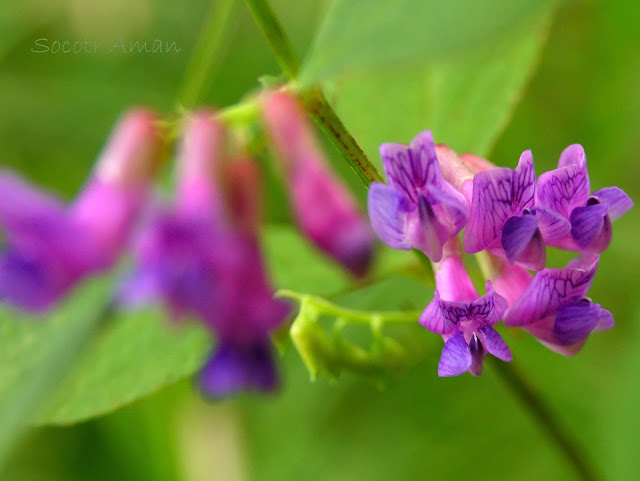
(56, 111)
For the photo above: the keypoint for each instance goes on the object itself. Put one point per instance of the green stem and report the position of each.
(352, 315)
(313, 99)
(317, 105)
(275, 36)
(205, 53)
(43, 378)
(574, 453)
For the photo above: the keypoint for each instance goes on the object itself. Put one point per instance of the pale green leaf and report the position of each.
(136, 352)
(384, 33)
(466, 102)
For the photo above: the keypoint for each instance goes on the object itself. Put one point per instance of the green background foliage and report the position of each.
(517, 81)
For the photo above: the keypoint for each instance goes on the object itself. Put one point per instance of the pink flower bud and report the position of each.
(243, 195)
(200, 166)
(324, 209)
(109, 204)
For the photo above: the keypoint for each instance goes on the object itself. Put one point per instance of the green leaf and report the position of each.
(37, 355)
(466, 102)
(384, 33)
(134, 356)
(137, 352)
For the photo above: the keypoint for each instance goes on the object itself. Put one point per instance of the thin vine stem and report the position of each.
(527, 395)
(329, 122)
(352, 315)
(205, 54)
(275, 36)
(313, 99)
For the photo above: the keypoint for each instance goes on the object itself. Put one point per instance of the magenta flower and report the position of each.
(418, 208)
(464, 319)
(505, 220)
(323, 208)
(554, 309)
(50, 246)
(178, 254)
(565, 190)
(201, 257)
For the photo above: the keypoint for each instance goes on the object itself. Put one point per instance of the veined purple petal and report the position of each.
(456, 357)
(566, 187)
(588, 224)
(566, 330)
(520, 232)
(400, 170)
(572, 155)
(524, 182)
(488, 309)
(425, 160)
(490, 208)
(549, 288)
(451, 207)
(575, 320)
(235, 368)
(388, 209)
(443, 316)
(616, 200)
(409, 169)
(437, 320)
(494, 344)
(552, 225)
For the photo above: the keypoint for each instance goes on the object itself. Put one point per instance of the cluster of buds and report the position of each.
(198, 253)
(510, 217)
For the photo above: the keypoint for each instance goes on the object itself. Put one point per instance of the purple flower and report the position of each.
(323, 207)
(50, 246)
(464, 319)
(505, 220)
(201, 257)
(418, 208)
(565, 190)
(554, 309)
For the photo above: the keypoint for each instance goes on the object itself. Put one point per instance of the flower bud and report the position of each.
(51, 247)
(108, 206)
(324, 209)
(200, 166)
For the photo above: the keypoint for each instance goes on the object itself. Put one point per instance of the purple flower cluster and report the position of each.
(198, 253)
(433, 194)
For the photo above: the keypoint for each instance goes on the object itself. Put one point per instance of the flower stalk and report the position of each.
(539, 410)
(313, 99)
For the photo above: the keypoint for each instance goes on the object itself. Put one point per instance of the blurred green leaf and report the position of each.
(138, 352)
(37, 355)
(134, 356)
(383, 33)
(466, 102)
